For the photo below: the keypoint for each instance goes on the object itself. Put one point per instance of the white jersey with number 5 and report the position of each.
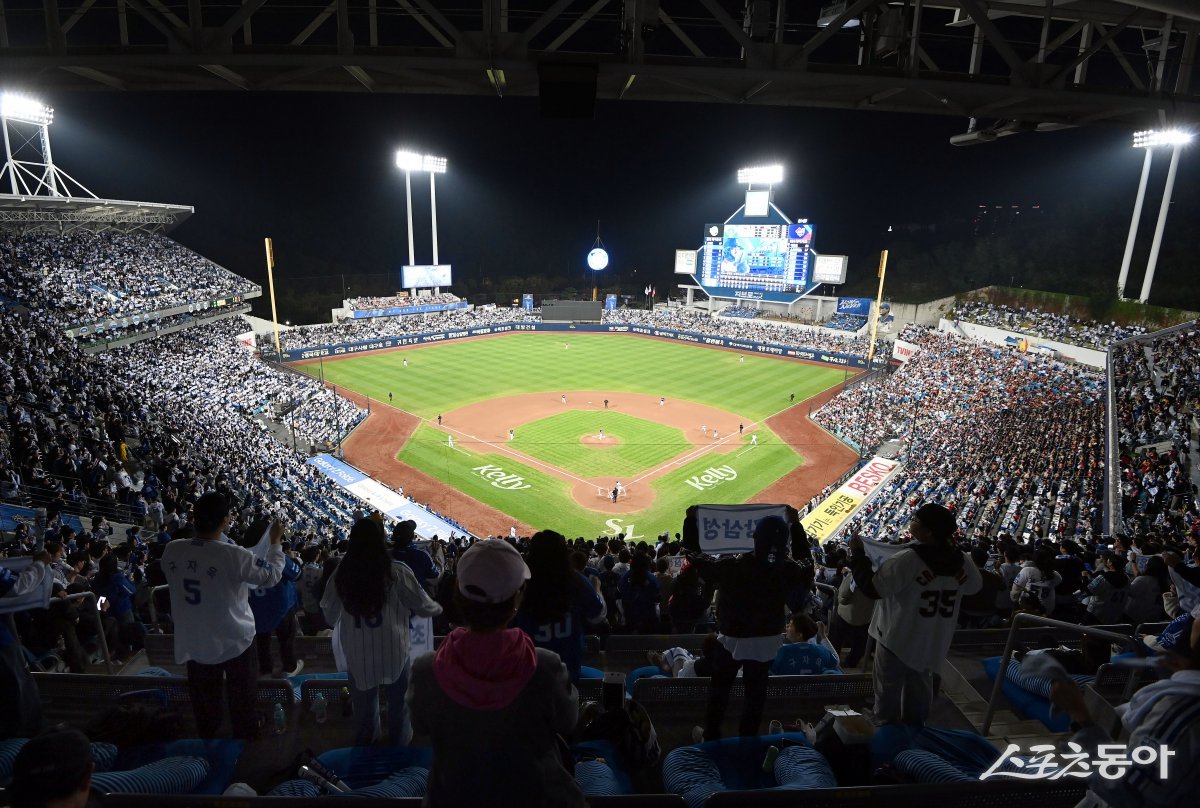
(209, 604)
(918, 610)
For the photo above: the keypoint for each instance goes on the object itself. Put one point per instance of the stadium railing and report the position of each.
(1122, 635)
(994, 794)
(669, 699)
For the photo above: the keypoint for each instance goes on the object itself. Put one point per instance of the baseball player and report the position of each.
(703, 429)
(564, 398)
(754, 439)
(601, 434)
(741, 427)
(450, 441)
(715, 435)
(439, 419)
(406, 361)
(741, 360)
(510, 434)
(662, 401)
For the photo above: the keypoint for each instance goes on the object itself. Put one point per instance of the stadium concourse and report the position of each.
(112, 455)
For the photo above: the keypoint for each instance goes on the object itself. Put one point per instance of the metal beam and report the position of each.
(726, 22)
(228, 75)
(76, 16)
(545, 18)
(1106, 36)
(575, 26)
(978, 13)
(236, 20)
(822, 36)
(674, 28)
(424, 22)
(97, 76)
(156, 21)
(316, 23)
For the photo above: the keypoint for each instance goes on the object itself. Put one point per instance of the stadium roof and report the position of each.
(61, 212)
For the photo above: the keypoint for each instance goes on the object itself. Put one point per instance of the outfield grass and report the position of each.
(547, 503)
(632, 444)
(440, 378)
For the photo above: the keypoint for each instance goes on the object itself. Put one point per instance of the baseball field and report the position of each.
(536, 430)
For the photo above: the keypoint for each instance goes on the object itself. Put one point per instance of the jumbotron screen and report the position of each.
(757, 257)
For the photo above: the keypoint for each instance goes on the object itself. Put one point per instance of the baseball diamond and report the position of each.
(525, 438)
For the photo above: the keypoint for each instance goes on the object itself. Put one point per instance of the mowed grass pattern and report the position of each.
(440, 378)
(631, 445)
(548, 503)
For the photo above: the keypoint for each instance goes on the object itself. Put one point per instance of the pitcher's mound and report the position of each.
(594, 440)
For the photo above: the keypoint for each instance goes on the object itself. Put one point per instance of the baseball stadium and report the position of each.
(632, 405)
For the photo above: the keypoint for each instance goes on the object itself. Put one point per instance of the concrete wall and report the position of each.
(998, 336)
(922, 313)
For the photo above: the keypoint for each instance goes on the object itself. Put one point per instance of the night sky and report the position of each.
(523, 194)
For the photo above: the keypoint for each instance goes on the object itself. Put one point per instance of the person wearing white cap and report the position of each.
(492, 703)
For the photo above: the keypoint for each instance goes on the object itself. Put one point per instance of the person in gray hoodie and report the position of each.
(494, 705)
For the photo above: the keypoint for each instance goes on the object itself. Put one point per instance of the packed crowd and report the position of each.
(400, 301)
(1157, 393)
(85, 276)
(676, 318)
(846, 322)
(1011, 442)
(758, 330)
(372, 328)
(154, 325)
(745, 312)
(1047, 325)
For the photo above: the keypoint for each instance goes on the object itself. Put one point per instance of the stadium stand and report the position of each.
(745, 312)
(399, 301)
(1012, 444)
(1047, 325)
(846, 322)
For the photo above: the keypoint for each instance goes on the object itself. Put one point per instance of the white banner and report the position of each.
(904, 351)
(824, 521)
(38, 598)
(730, 528)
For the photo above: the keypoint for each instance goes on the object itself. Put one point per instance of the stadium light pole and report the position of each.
(1133, 224)
(408, 162)
(1176, 139)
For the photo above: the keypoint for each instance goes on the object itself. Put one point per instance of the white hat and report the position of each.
(491, 571)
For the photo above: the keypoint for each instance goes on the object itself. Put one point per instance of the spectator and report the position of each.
(492, 703)
(214, 627)
(807, 650)
(638, 589)
(53, 771)
(274, 609)
(919, 590)
(113, 585)
(419, 561)
(21, 707)
(369, 605)
(687, 606)
(559, 603)
(851, 620)
(1146, 590)
(753, 589)
(1033, 588)
(1107, 590)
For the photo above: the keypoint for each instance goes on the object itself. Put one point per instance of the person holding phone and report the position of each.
(214, 626)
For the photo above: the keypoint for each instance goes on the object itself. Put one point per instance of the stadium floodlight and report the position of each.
(408, 161)
(25, 109)
(434, 165)
(1167, 137)
(760, 175)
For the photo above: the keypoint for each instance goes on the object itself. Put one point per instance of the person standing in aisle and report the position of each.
(368, 602)
(214, 627)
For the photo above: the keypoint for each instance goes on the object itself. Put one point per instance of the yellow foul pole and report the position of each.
(271, 282)
(878, 305)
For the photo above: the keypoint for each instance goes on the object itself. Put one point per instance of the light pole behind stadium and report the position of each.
(1176, 139)
(408, 162)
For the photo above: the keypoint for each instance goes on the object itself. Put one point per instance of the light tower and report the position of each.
(1148, 140)
(408, 162)
(29, 168)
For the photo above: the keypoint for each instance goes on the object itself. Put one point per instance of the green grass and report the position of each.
(632, 444)
(440, 378)
(547, 503)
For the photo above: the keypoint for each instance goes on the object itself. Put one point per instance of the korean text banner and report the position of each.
(727, 529)
(827, 518)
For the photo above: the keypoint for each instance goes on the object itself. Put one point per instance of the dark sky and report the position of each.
(523, 194)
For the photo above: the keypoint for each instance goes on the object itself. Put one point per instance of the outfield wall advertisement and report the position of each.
(396, 311)
(771, 349)
(824, 521)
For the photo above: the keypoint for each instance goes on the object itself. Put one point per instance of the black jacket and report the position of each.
(752, 593)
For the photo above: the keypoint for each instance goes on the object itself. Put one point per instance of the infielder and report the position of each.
(703, 429)
(450, 441)
(510, 434)
(754, 439)
(564, 398)
(662, 401)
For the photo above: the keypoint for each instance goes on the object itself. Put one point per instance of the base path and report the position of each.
(372, 447)
(483, 426)
(825, 457)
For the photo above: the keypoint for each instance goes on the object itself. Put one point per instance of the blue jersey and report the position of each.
(804, 658)
(565, 636)
(272, 604)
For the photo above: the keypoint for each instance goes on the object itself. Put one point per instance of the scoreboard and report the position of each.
(757, 257)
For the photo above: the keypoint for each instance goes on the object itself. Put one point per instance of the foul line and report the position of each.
(555, 470)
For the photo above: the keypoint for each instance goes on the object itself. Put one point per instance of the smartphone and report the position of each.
(100, 601)
(613, 690)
